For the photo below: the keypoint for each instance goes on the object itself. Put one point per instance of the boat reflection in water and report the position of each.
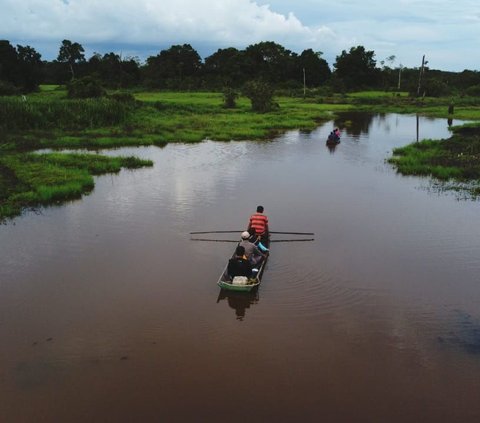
(332, 146)
(239, 301)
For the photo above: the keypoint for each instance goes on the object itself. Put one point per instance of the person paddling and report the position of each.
(259, 222)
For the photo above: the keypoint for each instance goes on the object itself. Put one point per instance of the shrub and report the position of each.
(122, 97)
(229, 97)
(260, 94)
(7, 89)
(86, 87)
(436, 88)
(473, 91)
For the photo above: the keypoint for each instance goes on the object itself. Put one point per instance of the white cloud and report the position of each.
(406, 28)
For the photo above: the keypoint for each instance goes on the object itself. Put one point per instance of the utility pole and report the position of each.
(421, 75)
(304, 84)
(399, 76)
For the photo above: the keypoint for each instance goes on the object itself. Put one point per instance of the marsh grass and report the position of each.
(457, 158)
(48, 120)
(36, 113)
(31, 180)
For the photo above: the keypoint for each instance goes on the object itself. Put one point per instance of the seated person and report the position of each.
(239, 265)
(256, 240)
(253, 254)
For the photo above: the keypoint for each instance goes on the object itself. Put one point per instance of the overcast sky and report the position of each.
(446, 31)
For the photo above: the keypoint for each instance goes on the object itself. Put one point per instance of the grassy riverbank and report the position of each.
(48, 120)
(455, 159)
(155, 119)
(31, 180)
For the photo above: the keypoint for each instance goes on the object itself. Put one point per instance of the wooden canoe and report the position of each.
(225, 281)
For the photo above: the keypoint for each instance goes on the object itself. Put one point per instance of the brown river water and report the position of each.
(110, 313)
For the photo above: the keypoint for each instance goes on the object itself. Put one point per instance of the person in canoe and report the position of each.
(334, 136)
(256, 240)
(259, 222)
(238, 265)
(252, 252)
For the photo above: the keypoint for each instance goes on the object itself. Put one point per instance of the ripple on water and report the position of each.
(311, 293)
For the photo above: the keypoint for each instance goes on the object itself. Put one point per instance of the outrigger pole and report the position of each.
(292, 233)
(231, 232)
(213, 232)
(231, 240)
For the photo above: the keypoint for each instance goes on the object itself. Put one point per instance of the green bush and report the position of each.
(473, 91)
(122, 97)
(436, 88)
(7, 89)
(229, 97)
(260, 94)
(86, 87)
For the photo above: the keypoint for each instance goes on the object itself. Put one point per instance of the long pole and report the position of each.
(214, 232)
(292, 233)
(229, 232)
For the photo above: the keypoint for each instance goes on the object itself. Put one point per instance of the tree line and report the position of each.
(180, 67)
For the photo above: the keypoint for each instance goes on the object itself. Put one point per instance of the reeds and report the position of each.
(37, 113)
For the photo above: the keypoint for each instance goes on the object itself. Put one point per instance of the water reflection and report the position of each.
(357, 123)
(114, 276)
(239, 301)
(464, 333)
(332, 146)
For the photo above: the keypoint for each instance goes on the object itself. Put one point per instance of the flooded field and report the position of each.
(110, 312)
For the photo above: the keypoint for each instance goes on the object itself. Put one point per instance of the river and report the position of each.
(110, 312)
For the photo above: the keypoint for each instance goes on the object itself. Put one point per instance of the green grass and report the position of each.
(378, 94)
(457, 158)
(48, 120)
(37, 113)
(31, 180)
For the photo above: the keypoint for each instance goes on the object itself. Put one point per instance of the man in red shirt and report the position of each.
(259, 222)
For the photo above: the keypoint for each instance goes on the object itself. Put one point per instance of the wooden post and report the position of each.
(304, 84)
(418, 127)
(420, 76)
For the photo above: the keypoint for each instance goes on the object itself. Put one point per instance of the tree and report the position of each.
(173, 66)
(317, 71)
(21, 67)
(113, 71)
(30, 67)
(71, 54)
(357, 68)
(270, 62)
(225, 67)
(8, 63)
